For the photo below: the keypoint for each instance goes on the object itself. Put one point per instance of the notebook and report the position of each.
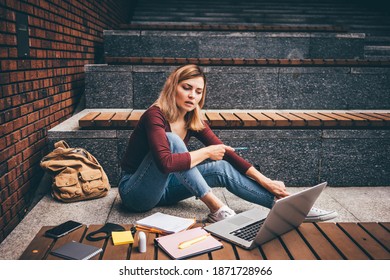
(164, 223)
(255, 227)
(122, 237)
(170, 243)
(76, 251)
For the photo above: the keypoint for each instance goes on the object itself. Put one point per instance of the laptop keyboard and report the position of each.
(248, 232)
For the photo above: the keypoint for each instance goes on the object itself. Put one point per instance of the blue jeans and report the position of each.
(149, 187)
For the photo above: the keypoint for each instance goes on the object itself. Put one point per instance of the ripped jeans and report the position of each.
(149, 187)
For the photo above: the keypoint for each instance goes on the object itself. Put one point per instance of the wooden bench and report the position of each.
(252, 119)
(310, 241)
(248, 62)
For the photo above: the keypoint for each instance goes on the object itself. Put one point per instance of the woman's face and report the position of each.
(189, 93)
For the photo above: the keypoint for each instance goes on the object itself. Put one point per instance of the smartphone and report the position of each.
(63, 229)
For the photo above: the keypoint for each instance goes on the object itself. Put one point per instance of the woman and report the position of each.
(159, 170)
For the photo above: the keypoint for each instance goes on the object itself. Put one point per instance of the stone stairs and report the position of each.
(257, 55)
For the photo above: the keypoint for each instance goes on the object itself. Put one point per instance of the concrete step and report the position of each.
(257, 7)
(377, 52)
(313, 19)
(300, 157)
(246, 87)
(225, 44)
(234, 27)
(359, 18)
(372, 27)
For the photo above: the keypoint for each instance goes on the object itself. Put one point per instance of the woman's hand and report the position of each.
(276, 187)
(213, 152)
(216, 152)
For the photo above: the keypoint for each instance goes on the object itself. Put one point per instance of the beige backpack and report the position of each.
(77, 175)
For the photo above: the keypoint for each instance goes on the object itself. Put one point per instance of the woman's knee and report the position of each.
(224, 166)
(176, 143)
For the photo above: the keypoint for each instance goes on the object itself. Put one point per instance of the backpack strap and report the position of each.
(61, 144)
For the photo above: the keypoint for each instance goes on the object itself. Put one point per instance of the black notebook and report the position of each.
(76, 251)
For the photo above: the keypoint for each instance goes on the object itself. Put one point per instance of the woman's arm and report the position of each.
(213, 152)
(276, 187)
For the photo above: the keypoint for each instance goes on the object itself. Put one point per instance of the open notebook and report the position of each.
(164, 223)
(170, 243)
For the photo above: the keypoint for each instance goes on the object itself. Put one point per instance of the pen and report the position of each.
(152, 230)
(240, 148)
(188, 243)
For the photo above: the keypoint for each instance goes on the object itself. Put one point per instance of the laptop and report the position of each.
(254, 227)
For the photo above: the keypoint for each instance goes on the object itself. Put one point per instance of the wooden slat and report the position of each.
(357, 121)
(385, 116)
(278, 119)
(231, 120)
(321, 246)
(365, 241)
(117, 252)
(104, 119)
(273, 250)
(378, 232)
(215, 119)
(262, 120)
(39, 247)
(244, 254)
(342, 121)
(295, 121)
(297, 246)
(386, 121)
(204, 118)
(309, 120)
(246, 119)
(373, 121)
(326, 121)
(98, 243)
(134, 117)
(386, 225)
(343, 243)
(226, 253)
(87, 120)
(120, 119)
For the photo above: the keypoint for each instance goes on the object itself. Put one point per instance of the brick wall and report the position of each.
(41, 85)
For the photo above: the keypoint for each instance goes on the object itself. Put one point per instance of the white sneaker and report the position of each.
(318, 215)
(222, 213)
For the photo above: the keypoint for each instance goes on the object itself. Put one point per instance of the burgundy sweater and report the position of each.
(150, 136)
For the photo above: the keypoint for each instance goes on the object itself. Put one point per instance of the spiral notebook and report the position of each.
(76, 251)
(170, 243)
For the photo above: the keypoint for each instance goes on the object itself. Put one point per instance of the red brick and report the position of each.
(21, 145)
(14, 161)
(3, 143)
(7, 153)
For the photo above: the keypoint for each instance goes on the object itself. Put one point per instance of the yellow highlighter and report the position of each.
(188, 243)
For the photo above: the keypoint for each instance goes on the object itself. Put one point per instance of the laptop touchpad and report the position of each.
(239, 220)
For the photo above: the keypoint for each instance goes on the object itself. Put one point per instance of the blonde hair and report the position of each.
(167, 99)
